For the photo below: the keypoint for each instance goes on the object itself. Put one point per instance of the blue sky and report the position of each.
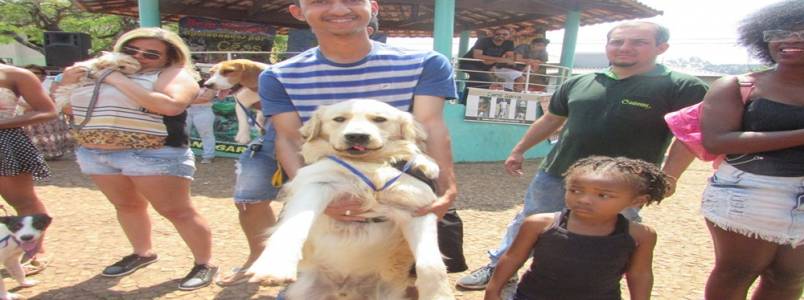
(702, 28)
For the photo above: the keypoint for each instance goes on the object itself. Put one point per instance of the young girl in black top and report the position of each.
(583, 251)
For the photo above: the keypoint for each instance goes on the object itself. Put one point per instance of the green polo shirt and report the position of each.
(618, 117)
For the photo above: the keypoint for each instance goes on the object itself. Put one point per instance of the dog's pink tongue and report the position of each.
(28, 246)
(359, 147)
(222, 93)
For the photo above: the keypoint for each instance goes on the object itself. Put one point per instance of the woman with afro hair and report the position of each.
(754, 203)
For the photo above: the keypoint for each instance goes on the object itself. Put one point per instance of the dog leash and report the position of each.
(94, 100)
(278, 178)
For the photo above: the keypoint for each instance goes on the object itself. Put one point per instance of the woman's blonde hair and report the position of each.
(177, 51)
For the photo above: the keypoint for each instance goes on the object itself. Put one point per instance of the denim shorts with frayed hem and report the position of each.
(165, 161)
(254, 171)
(758, 206)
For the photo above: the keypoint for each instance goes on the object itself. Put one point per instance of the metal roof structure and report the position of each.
(403, 18)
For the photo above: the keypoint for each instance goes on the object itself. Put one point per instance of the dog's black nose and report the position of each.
(357, 138)
(208, 85)
(26, 238)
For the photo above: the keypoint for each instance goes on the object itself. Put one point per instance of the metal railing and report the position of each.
(546, 78)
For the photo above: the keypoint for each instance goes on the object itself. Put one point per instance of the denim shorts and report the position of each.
(254, 173)
(165, 161)
(764, 207)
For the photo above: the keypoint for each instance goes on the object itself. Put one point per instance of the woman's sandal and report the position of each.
(236, 276)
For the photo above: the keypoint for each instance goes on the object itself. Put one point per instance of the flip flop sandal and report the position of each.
(236, 276)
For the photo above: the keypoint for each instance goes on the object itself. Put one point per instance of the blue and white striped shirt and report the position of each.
(388, 74)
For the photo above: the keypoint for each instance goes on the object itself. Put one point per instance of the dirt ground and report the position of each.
(85, 235)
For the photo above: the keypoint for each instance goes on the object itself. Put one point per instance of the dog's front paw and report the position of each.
(273, 272)
(426, 166)
(29, 283)
(243, 137)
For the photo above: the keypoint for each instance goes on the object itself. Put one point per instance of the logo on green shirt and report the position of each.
(641, 105)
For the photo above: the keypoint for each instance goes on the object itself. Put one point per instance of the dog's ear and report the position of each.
(412, 130)
(312, 128)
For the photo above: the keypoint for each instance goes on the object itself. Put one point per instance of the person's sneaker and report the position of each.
(200, 276)
(207, 160)
(128, 264)
(476, 280)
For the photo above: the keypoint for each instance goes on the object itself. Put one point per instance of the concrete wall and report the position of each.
(478, 142)
(21, 55)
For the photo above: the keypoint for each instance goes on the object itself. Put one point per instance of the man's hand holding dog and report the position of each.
(439, 207)
(346, 209)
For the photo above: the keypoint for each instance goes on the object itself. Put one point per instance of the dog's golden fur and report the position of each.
(228, 74)
(352, 260)
(123, 63)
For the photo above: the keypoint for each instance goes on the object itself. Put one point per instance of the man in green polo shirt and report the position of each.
(617, 112)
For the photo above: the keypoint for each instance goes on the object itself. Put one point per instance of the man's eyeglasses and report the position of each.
(502, 33)
(782, 35)
(147, 54)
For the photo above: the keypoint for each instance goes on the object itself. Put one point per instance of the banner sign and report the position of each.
(497, 106)
(207, 34)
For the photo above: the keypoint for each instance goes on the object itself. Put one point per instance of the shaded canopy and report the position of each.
(400, 18)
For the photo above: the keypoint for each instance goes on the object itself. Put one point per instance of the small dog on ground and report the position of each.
(18, 235)
(232, 74)
(357, 147)
(124, 63)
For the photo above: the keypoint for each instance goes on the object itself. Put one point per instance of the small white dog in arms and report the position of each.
(351, 148)
(124, 63)
(19, 235)
(239, 72)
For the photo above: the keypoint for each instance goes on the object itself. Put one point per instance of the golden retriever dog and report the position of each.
(124, 63)
(368, 260)
(231, 74)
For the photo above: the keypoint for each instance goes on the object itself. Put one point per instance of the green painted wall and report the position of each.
(477, 141)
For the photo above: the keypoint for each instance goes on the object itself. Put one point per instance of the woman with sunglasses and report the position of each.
(754, 203)
(132, 174)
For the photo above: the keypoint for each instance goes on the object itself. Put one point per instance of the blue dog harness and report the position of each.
(368, 181)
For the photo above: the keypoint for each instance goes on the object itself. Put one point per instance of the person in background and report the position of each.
(490, 51)
(532, 55)
(599, 113)
(754, 203)
(21, 163)
(135, 169)
(201, 116)
(52, 138)
(583, 251)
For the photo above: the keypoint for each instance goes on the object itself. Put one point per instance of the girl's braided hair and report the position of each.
(644, 177)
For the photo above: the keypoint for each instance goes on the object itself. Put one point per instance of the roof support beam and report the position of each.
(149, 13)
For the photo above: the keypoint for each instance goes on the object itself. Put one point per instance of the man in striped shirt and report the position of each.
(348, 65)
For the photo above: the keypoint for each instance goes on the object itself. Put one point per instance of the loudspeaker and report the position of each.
(63, 49)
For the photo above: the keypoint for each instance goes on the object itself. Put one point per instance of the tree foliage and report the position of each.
(26, 20)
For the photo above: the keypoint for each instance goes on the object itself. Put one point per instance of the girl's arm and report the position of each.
(721, 123)
(174, 90)
(29, 87)
(640, 271)
(518, 253)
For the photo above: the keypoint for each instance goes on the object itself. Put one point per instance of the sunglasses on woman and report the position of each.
(147, 54)
(782, 35)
